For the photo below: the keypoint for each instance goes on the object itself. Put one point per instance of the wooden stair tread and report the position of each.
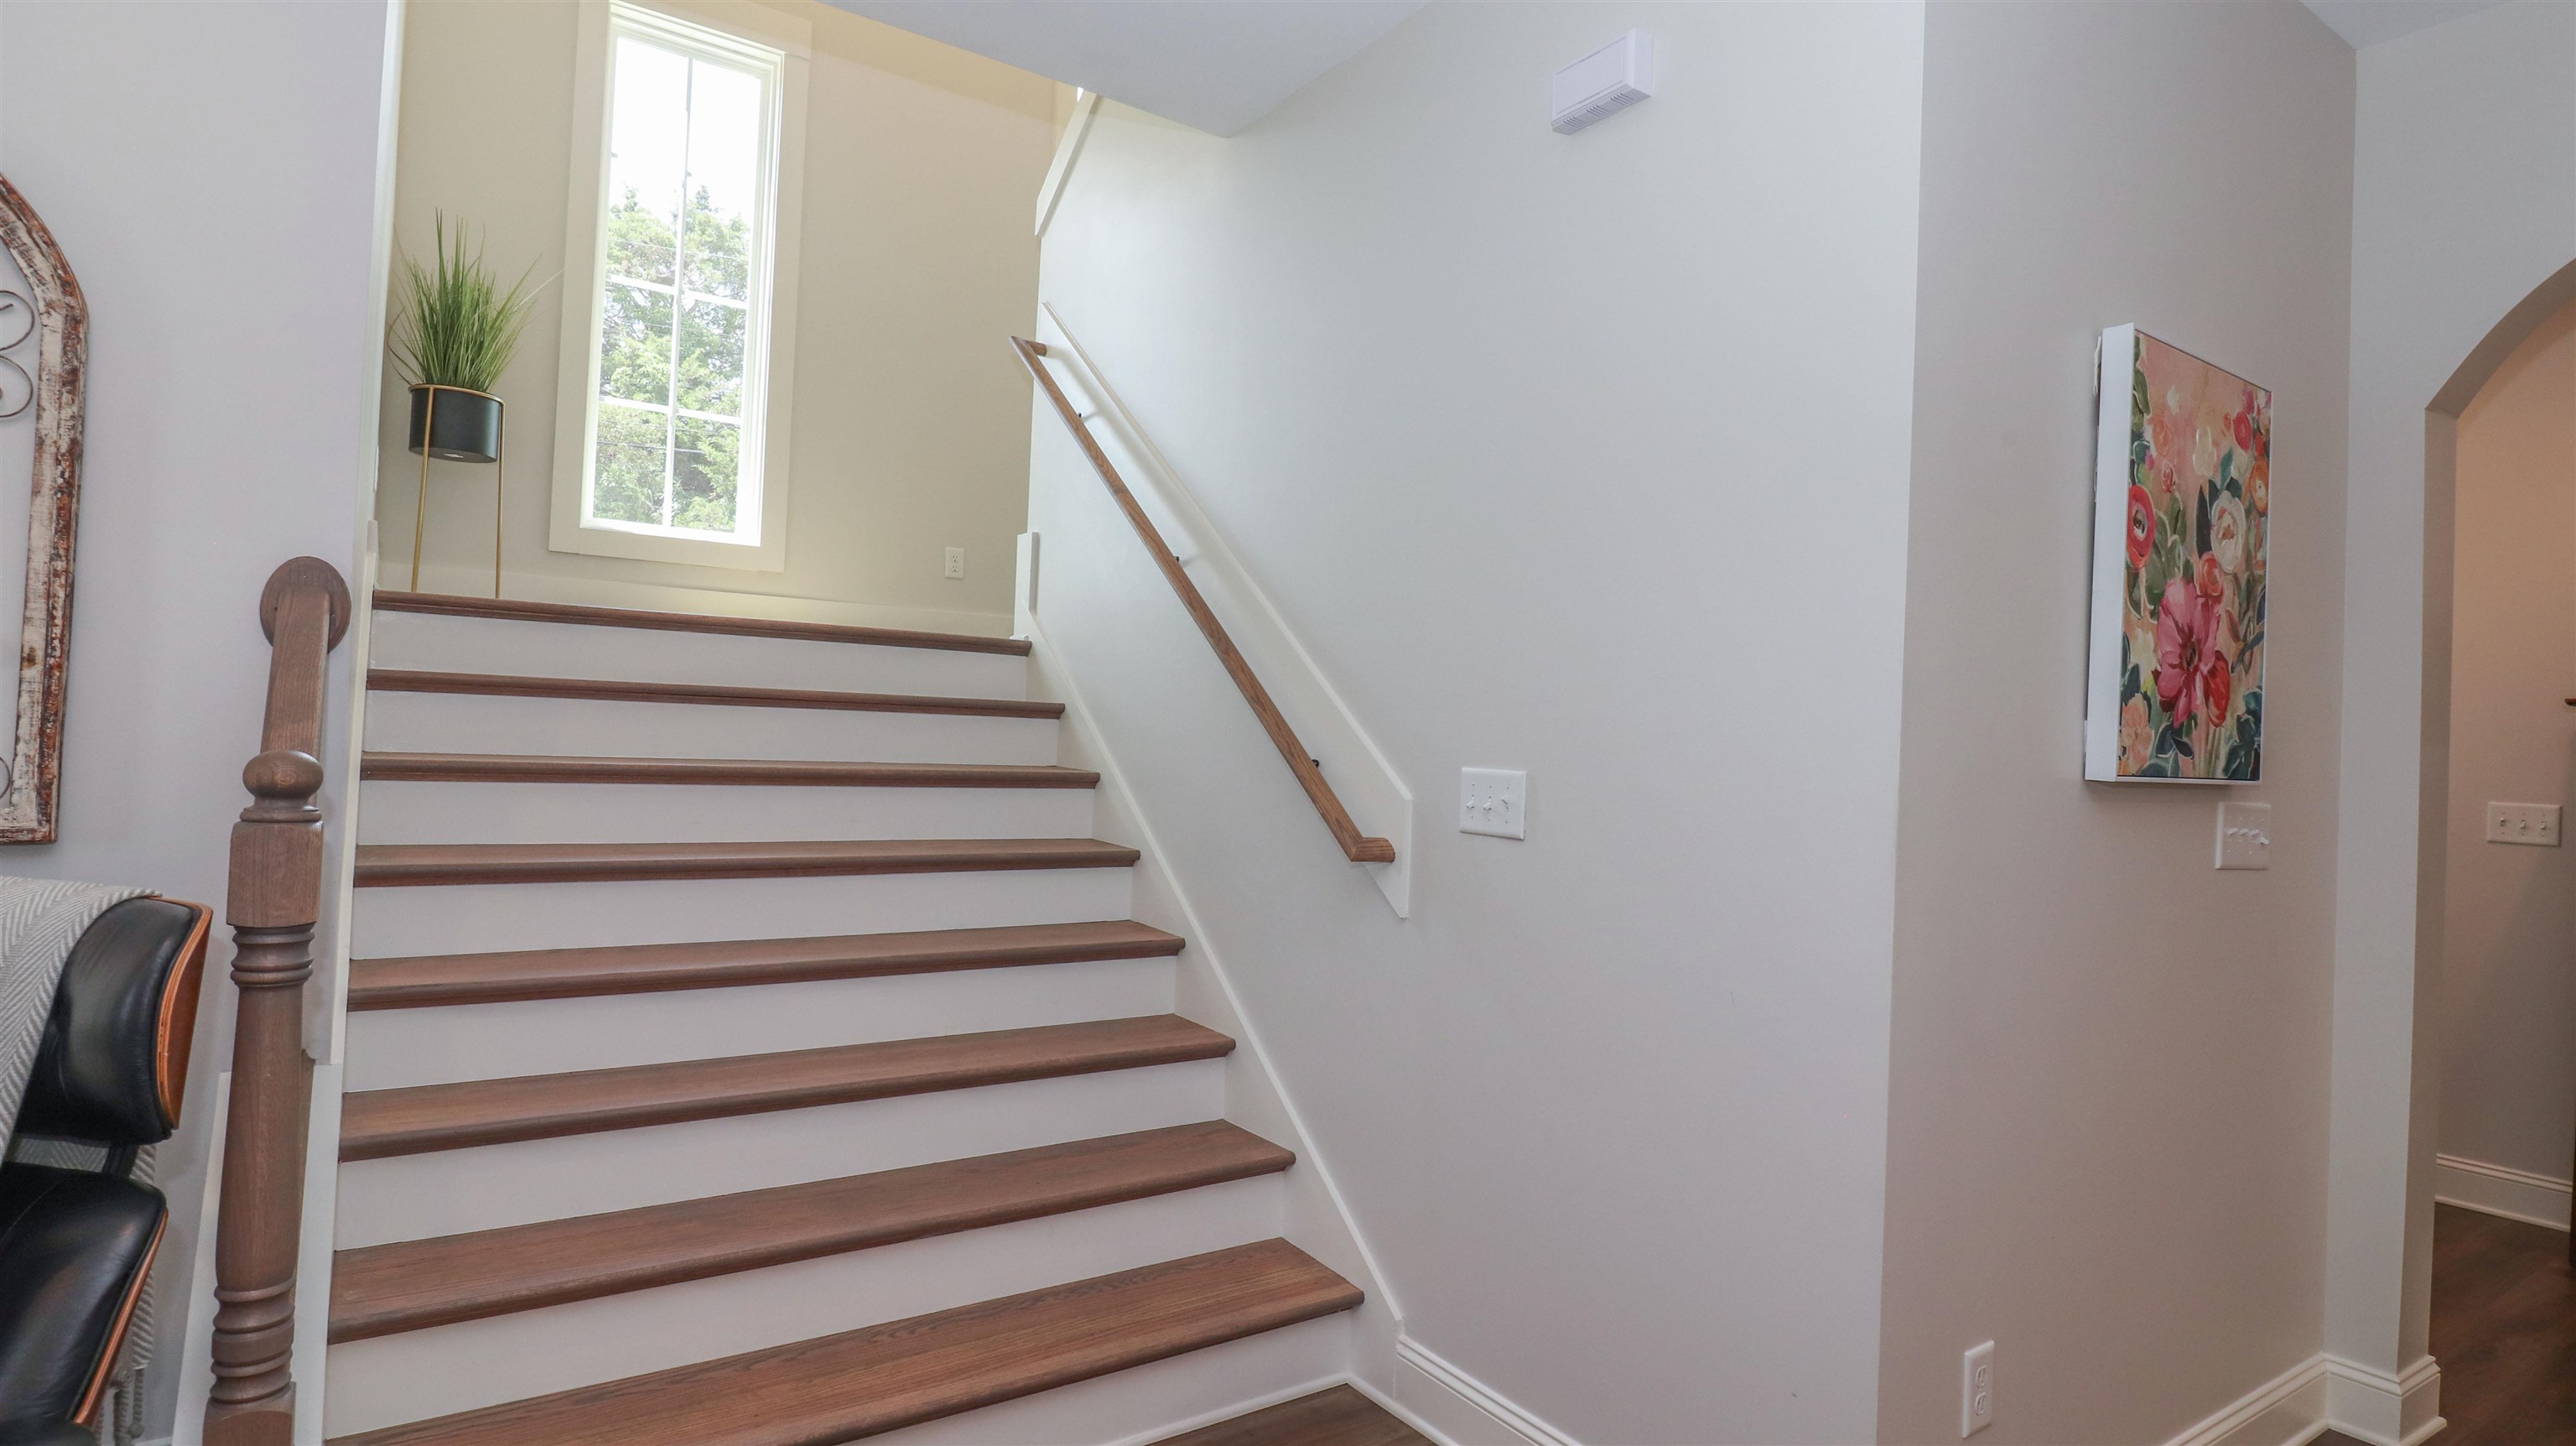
(875, 1379)
(1337, 1416)
(450, 605)
(818, 773)
(444, 979)
(512, 685)
(400, 865)
(384, 1289)
(414, 1119)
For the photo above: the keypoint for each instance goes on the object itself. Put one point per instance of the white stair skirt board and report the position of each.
(421, 1374)
(1461, 1410)
(408, 813)
(393, 1048)
(2498, 1190)
(448, 1192)
(1150, 1402)
(479, 918)
(651, 655)
(2288, 1410)
(484, 723)
(2381, 1409)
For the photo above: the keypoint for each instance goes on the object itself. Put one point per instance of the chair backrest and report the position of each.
(115, 1054)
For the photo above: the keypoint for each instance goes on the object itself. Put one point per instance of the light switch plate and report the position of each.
(1493, 801)
(2245, 835)
(2523, 823)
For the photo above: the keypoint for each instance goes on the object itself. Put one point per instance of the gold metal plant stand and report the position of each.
(428, 439)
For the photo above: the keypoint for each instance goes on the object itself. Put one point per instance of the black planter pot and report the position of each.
(468, 424)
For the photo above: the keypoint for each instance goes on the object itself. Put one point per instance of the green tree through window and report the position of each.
(677, 301)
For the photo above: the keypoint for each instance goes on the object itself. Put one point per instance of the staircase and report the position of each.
(749, 1044)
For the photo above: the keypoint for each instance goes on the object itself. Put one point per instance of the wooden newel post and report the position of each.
(272, 903)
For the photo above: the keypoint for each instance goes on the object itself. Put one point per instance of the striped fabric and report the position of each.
(40, 920)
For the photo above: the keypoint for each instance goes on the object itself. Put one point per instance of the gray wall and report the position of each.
(2107, 1128)
(1581, 455)
(2464, 201)
(210, 170)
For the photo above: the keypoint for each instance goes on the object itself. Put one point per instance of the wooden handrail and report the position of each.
(273, 901)
(1359, 848)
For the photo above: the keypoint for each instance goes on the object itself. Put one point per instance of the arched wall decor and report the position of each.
(52, 354)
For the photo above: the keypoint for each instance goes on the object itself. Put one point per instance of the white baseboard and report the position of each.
(2384, 1410)
(2497, 1190)
(1240, 1408)
(2288, 1410)
(1456, 1409)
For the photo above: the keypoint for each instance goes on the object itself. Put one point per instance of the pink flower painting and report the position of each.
(2197, 498)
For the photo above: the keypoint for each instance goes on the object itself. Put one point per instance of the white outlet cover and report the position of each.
(2244, 836)
(1977, 1389)
(1493, 801)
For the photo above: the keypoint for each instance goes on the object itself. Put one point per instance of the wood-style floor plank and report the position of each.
(415, 865)
(1339, 1416)
(515, 610)
(375, 1124)
(413, 1284)
(517, 685)
(865, 1382)
(2504, 1330)
(449, 979)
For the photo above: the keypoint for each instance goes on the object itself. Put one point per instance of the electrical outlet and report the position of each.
(956, 563)
(1977, 1389)
(1493, 801)
(2245, 835)
(2523, 823)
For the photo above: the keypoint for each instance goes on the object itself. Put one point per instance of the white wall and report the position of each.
(2509, 914)
(921, 165)
(2464, 201)
(2108, 1121)
(1586, 456)
(210, 170)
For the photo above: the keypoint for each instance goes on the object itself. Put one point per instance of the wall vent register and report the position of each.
(1604, 83)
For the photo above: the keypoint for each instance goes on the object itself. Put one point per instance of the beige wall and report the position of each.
(921, 172)
(2509, 921)
(2107, 1135)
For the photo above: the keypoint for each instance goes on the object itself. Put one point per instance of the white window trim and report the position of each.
(581, 293)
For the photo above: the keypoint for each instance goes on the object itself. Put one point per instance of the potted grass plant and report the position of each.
(454, 330)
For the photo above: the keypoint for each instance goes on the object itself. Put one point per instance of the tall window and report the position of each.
(686, 222)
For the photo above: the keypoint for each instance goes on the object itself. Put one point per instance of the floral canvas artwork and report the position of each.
(2186, 480)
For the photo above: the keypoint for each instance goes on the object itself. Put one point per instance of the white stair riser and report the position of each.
(447, 1192)
(506, 1358)
(463, 723)
(649, 655)
(392, 1048)
(397, 812)
(476, 918)
(1148, 1403)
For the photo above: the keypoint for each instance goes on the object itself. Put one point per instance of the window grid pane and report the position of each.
(684, 213)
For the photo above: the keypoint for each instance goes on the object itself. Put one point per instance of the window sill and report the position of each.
(568, 535)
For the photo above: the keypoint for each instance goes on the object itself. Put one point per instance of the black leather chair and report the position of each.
(75, 1244)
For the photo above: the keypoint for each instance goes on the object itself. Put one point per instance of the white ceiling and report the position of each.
(2368, 22)
(1218, 65)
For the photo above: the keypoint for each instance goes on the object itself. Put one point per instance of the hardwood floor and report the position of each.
(2504, 1330)
(1340, 1416)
